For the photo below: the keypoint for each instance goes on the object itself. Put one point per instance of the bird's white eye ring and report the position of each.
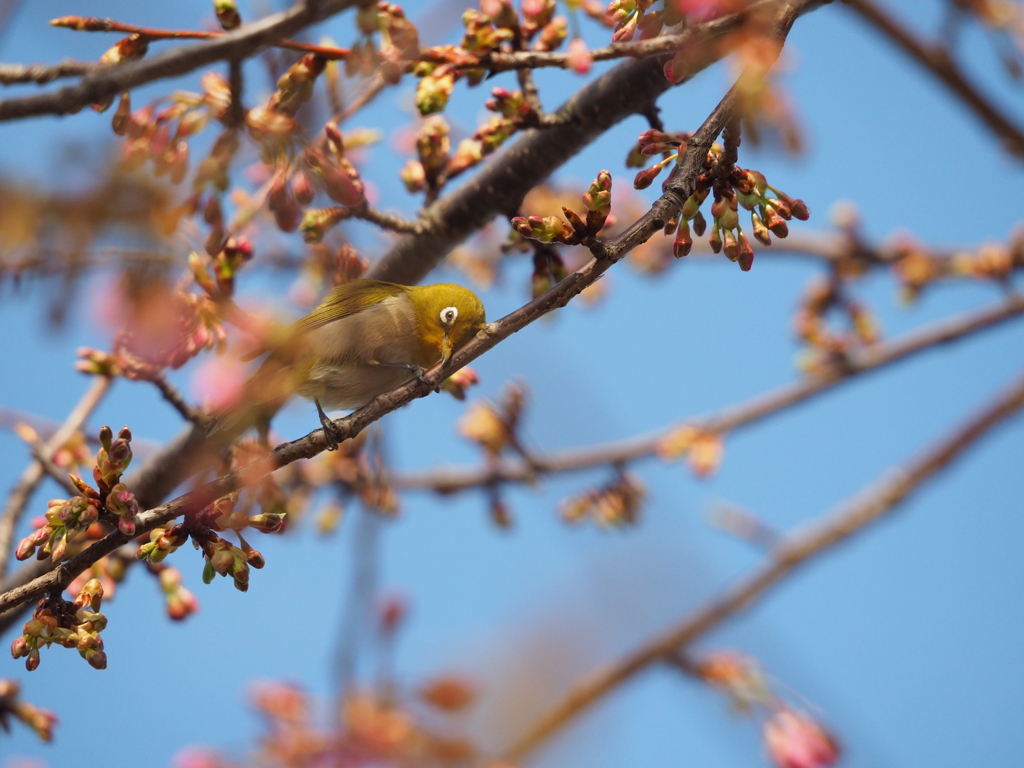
(448, 315)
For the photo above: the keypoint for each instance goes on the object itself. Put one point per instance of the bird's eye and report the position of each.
(448, 315)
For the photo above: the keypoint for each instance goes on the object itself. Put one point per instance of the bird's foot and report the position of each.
(332, 433)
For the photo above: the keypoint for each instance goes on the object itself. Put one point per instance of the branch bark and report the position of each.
(795, 549)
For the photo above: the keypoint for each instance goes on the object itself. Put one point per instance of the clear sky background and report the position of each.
(907, 640)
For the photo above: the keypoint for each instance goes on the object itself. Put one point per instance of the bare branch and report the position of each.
(451, 480)
(238, 44)
(937, 61)
(797, 547)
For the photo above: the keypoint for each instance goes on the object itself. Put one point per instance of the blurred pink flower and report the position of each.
(796, 740)
(579, 56)
(218, 381)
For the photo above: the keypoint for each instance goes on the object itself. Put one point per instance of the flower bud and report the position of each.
(746, 254)
(683, 243)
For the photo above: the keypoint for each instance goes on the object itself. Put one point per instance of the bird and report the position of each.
(366, 337)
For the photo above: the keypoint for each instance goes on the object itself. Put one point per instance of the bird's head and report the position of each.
(448, 315)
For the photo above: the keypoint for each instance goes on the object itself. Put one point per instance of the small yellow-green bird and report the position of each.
(365, 338)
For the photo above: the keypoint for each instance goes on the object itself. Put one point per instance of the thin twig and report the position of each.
(34, 473)
(240, 43)
(93, 24)
(938, 61)
(796, 547)
(451, 480)
(389, 221)
(171, 394)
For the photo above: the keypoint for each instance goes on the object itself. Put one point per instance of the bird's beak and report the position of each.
(446, 349)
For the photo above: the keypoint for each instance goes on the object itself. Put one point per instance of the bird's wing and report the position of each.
(345, 300)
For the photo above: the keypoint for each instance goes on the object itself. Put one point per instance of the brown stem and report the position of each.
(110, 81)
(937, 61)
(34, 473)
(92, 24)
(451, 480)
(796, 548)
(171, 394)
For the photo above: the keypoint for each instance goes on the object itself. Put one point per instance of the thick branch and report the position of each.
(796, 548)
(728, 420)
(937, 61)
(243, 42)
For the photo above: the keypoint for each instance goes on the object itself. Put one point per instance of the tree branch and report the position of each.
(795, 548)
(238, 44)
(746, 413)
(937, 61)
(41, 74)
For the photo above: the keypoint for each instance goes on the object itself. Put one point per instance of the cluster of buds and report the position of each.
(494, 425)
(433, 150)
(295, 87)
(162, 542)
(66, 518)
(824, 346)
(160, 135)
(614, 505)
(631, 16)
(335, 172)
(223, 557)
(181, 603)
(437, 81)
(218, 279)
(553, 229)
(703, 448)
(110, 571)
(732, 187)
(71, 624)
(482, 35)
(11, 705)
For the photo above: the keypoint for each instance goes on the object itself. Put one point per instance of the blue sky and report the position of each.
(906, 639)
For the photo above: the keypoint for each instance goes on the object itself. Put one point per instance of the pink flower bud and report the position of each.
(579, 57)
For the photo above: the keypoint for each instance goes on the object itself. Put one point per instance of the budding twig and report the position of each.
(41, 74)
(34, 473)
(796, 547)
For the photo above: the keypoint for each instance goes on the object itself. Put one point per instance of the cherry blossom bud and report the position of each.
(795, 740)
(227, 13)
(683, 242)
(579, 57)
(746, 253)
